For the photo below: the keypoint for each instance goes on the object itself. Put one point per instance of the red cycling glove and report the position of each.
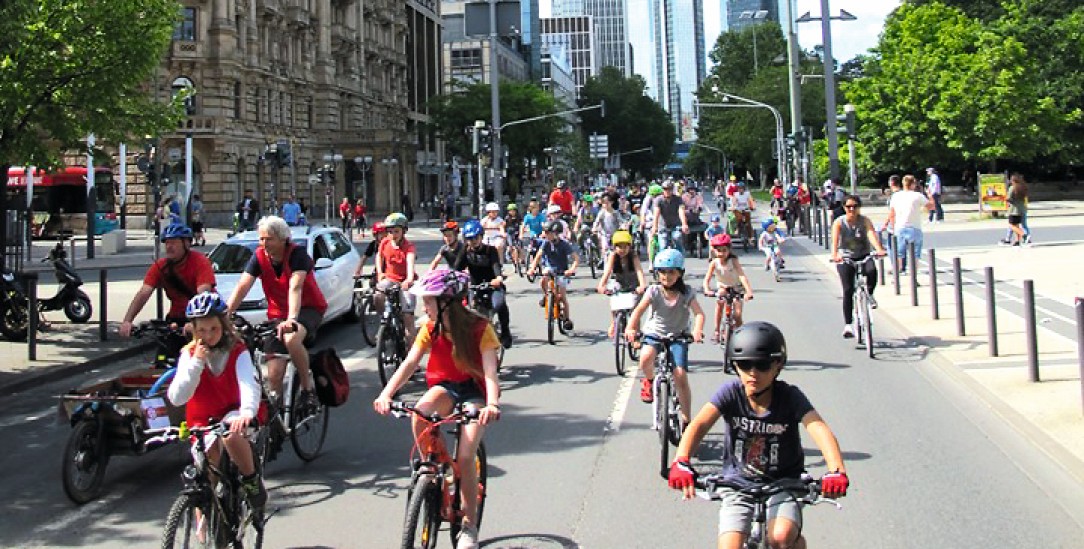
(682, 474)
(834, 485)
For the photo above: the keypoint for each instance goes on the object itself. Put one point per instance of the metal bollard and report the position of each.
(911, 264)
(826, 229)
(103, 302)
(991, 312)
(933, 284)
(958, 283)
(72, 254)
(895, 246)
(881, 269)
(1031, 331)
(1080, 342)
(32, 314)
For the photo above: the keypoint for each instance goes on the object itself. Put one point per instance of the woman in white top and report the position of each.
(493, 225)
(729, 276)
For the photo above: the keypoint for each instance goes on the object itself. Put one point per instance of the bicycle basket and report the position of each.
(623, 301)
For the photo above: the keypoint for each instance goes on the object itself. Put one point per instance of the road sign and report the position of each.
(599, 146)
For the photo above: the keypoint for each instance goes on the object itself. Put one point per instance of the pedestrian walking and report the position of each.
(360, 213)
(248, 210)
(196, 217)
(345, 208)
(905, 219)
(1018, 211)
(933, 191)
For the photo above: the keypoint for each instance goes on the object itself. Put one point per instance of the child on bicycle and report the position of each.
(216, 382)
(462, 368)
(714, 228)
(671, 302)
(729, 276)
(771, 242)
(553, 254)
(762, 415)
(624, 266)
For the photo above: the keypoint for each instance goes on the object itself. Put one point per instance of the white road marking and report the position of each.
(22, 420)
(617, 414)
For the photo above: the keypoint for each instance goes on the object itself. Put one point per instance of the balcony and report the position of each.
(183, 50)
(197, 125)
(298, 16)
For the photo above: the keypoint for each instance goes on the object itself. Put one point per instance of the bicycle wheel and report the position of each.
(867, 325)
(775, 267)
(250, 521)
(308, 427)
(662, 399)
(370, 321)
(592, 259)
(193, 522)
(422, 520)
(499, 330)
(619, 343)
(673, 413)
(551, 316)
(387, 349)
(481, 468)
(84, 462)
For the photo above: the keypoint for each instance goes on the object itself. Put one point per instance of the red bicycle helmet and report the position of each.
(720, 240)
(378, 227)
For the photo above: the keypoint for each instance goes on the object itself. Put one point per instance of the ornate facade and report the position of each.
(336, 80)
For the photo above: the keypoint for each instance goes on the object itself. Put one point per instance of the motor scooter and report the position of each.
(14, 302)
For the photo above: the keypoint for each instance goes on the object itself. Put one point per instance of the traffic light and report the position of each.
(283, 153)
(849, 124)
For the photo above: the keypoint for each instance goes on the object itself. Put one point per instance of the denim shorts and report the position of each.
(736, 512)
(905, 235)
(679, 350)
(463, 391)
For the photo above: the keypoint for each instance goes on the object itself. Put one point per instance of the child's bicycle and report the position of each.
(433, 496)
(621, 306)
(552, 306)
(666, 409)
(727, 298)
(211, 510)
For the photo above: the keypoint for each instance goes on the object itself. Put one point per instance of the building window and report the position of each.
(186, 27)
(238, 103)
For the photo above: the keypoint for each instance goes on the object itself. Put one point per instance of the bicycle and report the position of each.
(805, 491)
(553, 306)
(532, 250)
(288, 416)
(481, 300)
(211, 509)
(775, 263)
(728, 297)
(391, 337)
(516, 255)
(364, 288)
(744, 228)
(621, 305)
(863, 320)
(434, 493)
(590, 251)
(666, 409)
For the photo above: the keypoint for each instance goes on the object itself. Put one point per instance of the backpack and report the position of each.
(332, 382)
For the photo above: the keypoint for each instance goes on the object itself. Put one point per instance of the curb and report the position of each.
(61, 371)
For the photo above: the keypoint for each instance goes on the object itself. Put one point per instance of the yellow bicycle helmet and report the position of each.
(621, 237)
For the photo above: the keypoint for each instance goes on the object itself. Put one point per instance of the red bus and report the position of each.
(59, 201)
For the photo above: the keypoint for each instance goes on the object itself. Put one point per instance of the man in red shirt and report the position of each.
(182, 273)
(344, 214)
(395, 265)
(562, 197)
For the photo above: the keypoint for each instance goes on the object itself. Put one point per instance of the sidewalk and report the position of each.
(1049, 414)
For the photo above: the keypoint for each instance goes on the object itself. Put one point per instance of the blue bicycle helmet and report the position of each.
(205, 304)
(472, 228)
(766, 223)
(670, 259)
(715, 218)
(176, 230)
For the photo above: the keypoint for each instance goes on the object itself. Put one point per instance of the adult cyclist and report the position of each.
(483, 263)
(742, 205)
(670, 223)
(285, 271)
(183, 273)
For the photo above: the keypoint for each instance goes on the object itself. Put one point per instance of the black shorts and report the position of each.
(307, 317)
(1016, 219)
(465, 391)
(197, 226)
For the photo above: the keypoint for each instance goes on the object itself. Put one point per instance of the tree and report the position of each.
(633, 120)
(73, 67)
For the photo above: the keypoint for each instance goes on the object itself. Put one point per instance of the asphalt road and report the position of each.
(574, 461)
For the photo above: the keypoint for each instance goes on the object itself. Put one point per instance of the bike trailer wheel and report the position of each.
(84, 462)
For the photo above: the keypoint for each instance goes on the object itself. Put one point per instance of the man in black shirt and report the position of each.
(670, 222)
(484, 265)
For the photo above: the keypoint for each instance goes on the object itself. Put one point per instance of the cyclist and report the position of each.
(395, 265)
(729, 275)
(714, 228)
(512, 224)
(531, 228)
(285, 271)
(452, 249)
(852, 237)
(771, 241)
(647, 219)
(484, 265)
(554, 215)
(670, 218)
(762, 415)
(671, 302)
(624, 266)
(216, 381)
(494, 228)
(607, 223)
(370, 251)
(585, 219)
(743, 204)
(553, 253)
(182, 273)
(462, 368)
(562, 198)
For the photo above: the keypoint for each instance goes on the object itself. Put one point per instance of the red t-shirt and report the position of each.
(344, 210)
(562, 198)
(194, 271)
(777, 192)
(443, 366)
(395, 258)
(359, 211)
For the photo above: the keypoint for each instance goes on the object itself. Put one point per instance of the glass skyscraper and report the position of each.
(733, 20)
(610, 21)
(680, 59)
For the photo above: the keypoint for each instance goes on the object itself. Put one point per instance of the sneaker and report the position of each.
(254, 490)
(647, 391)
(1027, 240)
(1016, 243)
(848, 331)
(1004, 242)
(468, 537)
(872, 302)
(309, 402)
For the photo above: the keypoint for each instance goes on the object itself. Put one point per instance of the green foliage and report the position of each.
(633, 120)
(73, 67)
(866, 169)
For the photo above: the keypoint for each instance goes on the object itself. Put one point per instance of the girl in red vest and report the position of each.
(462, 367)
(216, 382)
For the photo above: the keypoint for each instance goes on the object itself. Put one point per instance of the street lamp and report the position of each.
(829, 80)
(758, 15)
(780, 144)
(389, 165)
(334, 158)
(363, 164)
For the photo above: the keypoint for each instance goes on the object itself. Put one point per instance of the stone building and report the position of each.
(342, 83)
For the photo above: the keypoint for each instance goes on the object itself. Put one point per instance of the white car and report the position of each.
(335, 259)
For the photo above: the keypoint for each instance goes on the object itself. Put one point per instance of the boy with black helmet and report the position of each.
(553, 254)
(762, 414)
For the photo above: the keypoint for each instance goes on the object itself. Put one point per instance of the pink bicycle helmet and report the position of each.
(441, 283)
(720, 240)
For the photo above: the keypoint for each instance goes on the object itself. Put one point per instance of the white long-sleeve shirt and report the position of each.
(188, 373)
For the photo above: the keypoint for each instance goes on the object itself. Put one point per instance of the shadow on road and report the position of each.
(526, 375)
(540, 541)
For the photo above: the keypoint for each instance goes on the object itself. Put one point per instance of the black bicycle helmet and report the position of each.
(756, 341)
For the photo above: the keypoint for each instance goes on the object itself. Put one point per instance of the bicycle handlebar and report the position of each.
(708, 488)
(157, 328)
(172, 433)
(464, 412)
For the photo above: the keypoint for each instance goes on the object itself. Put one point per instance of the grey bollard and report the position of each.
(72, 254)
(894, 244)
(103, 304)
(32, 315)
(958, 284)
(827, 231)
(1030, 331)
(991, 312)
(881, 270)
(933, 285)
(911, 264)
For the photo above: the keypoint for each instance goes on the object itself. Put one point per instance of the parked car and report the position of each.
(335, 257)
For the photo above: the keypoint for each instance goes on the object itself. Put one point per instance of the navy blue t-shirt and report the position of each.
(555, 254)
(769, 443)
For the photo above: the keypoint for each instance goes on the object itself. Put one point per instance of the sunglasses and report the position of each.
(762, 366)
(851, 206)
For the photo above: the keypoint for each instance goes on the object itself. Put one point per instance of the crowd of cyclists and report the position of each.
(662, 218)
